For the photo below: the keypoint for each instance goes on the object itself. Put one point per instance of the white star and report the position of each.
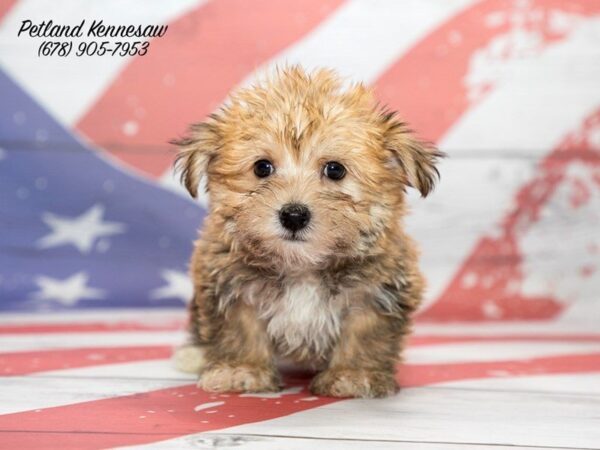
(81, 231)
(178, 286)
(68, 291)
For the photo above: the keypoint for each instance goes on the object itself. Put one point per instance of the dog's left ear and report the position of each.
(196, 152)
(417, 160)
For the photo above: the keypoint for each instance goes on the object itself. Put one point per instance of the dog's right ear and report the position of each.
(196, 151)
(417, 160)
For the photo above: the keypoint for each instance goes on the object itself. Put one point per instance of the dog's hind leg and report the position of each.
(189, 358)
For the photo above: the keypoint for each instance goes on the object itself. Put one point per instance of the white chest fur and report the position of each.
(303, 316)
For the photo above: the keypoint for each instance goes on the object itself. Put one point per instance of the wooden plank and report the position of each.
(451, 415)
(162, 316)
(494, 351)
(35, 392)
(580, 384)
(460, 413)
(29, 342)
(267, 442)
(435, 415)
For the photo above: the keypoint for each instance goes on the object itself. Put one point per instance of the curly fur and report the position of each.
(340, 297)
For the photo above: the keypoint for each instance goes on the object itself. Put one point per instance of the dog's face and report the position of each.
(303, 171)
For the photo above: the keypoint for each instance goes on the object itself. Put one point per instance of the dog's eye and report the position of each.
(334, 170)
(263, 168)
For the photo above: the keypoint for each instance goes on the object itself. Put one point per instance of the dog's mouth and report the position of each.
(293, 237)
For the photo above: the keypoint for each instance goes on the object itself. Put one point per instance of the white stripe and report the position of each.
(156, 369)
(64, 387)
(583, 384)
(52, 341)
(573, 231)
(494, 351)
(67, 87)
(362, 39)
(449, 222)
(31, 393)
(150, 316)
(251, 442)
(537, 100)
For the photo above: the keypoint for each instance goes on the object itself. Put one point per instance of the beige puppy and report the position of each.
(303, 254)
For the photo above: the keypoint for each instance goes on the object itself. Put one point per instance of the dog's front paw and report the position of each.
(239, 378)
(354, 383)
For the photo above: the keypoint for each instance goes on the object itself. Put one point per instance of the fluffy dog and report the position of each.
(303, 254)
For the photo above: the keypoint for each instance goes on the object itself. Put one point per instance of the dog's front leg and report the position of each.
(240, 357)
(364, 359)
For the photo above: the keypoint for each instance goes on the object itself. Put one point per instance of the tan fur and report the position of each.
(339, 298)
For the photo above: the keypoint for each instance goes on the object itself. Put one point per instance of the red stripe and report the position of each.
(23, 363)
(427, 85)
(504, 273)
(5, 7)
(168, 413)
(188, 72)
(91, 327)
(425, 374)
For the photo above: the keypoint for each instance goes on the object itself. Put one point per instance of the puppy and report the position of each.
(303, 254)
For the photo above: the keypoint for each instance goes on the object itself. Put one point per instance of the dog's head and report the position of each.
(303, 170)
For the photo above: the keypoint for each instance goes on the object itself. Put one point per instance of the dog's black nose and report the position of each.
(294, 216)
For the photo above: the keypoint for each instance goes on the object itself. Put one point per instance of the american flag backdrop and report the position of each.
(96, 233)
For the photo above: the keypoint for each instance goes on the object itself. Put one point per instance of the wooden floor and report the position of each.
(73, 383)
(506, 350)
